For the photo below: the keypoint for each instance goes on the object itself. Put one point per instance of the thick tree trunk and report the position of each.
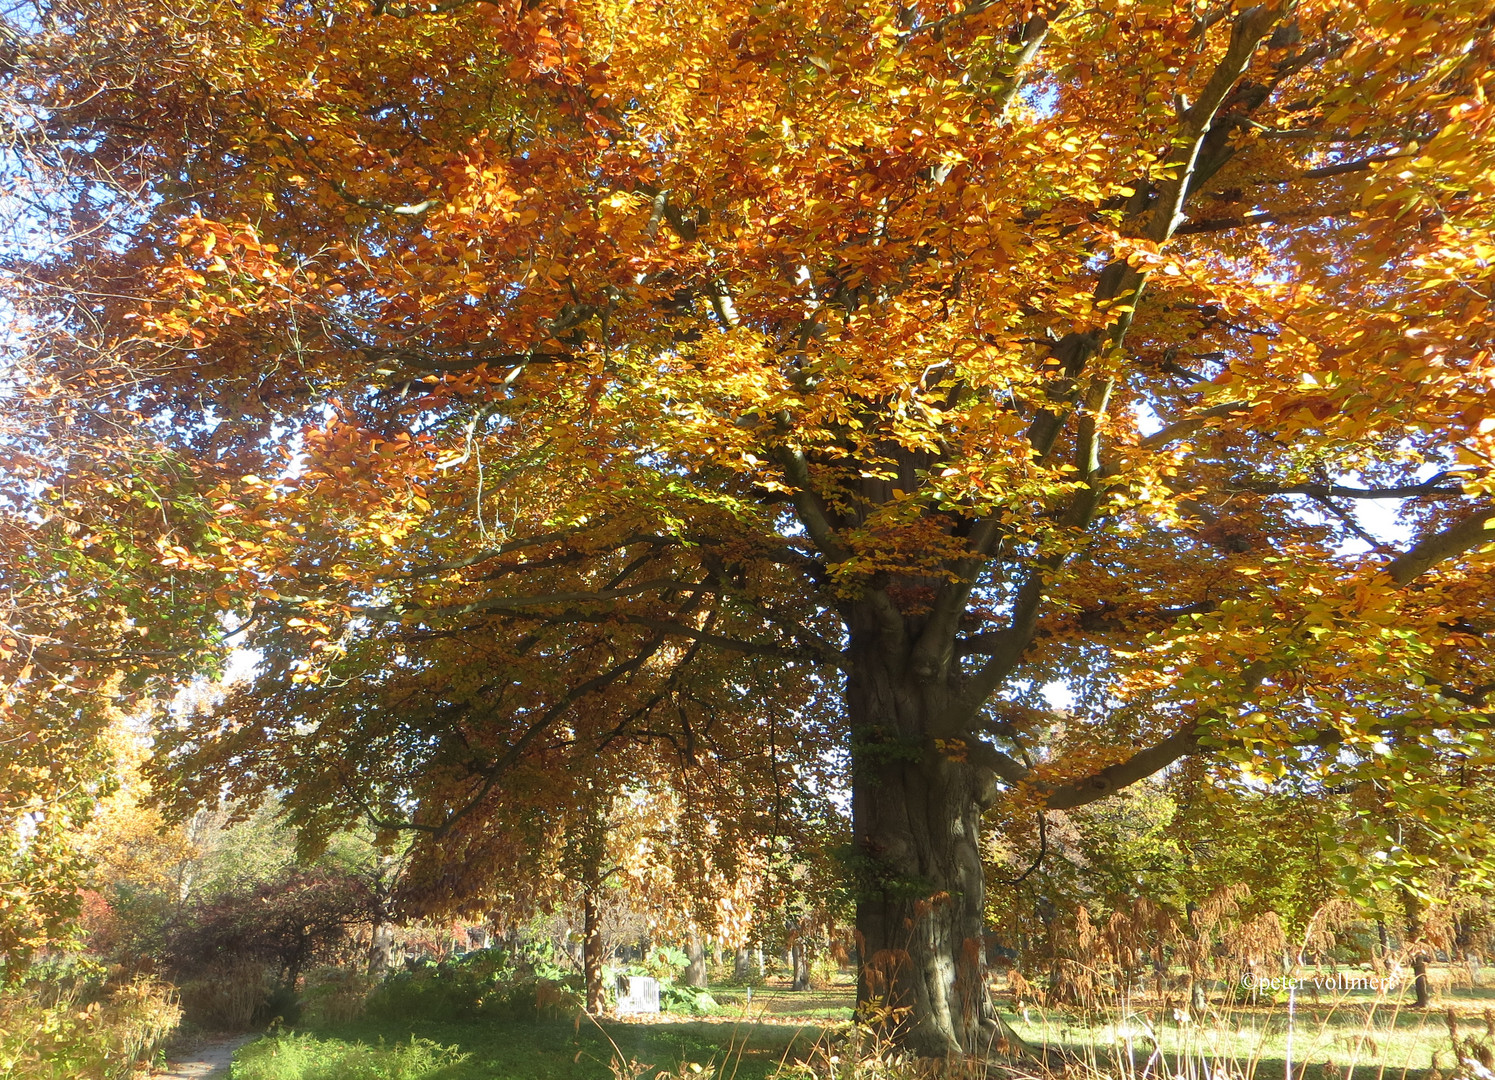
(742, 965)
(695, 971)
(916, 819)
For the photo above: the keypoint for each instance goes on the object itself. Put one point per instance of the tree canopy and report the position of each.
(526, 378)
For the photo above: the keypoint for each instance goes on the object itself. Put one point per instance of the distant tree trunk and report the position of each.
(381, 950)
(801, 959)
(1414, 944)
(1463, 939)
(382, 935)
(695, 971)
(295, 961)
(591, 940)
(1420, 979)
(742, 964)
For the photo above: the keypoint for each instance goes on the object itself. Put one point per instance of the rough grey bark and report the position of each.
(916, 820)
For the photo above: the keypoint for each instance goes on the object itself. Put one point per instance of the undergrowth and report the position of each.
(307, 1057)
(78, 1029)
(487, 984)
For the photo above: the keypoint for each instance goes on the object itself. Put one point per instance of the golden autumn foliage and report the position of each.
(542, 377)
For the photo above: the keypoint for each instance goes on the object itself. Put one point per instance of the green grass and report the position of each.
(521, 1050)
(1253, 1044)
(1361, 1036)
(1356, 1033)
(834, 1004)
(296, 1056)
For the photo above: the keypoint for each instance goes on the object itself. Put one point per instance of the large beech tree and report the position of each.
(560, 351)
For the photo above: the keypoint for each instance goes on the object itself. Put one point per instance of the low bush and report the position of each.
(335, 996)
(78, 1030)
(492, 984)
(303, 916)
(661, 962)
(692, 1000)
(228, 995)
(824, 973)
(306, 1057)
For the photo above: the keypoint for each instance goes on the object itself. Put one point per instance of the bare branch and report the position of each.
(984, 644)
(986, 756)
(467, 360)
(1139, 766)
(1433, 486)
(936, 28)
(398, 612)
(1182, 428)
(1251, 26)
(1245, 221)
(1362, 165)
(342, 190)
(1043, 850)
(1473, 531)
(493, 553)
(810, 507)
(1005, 653)
(493, 773)
(731, 644)
(1476, 697)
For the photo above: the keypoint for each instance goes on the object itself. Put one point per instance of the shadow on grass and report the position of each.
(567, 1050)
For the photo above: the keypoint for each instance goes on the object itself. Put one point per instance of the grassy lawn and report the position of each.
(517, 1050)
(1344, 1036)
(1251, 1042)
(745, 1042)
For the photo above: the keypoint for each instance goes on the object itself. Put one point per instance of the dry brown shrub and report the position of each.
(226, 995)
(1258, 944)
(1073, 979)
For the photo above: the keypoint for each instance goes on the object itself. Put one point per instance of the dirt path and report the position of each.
(210, 1059)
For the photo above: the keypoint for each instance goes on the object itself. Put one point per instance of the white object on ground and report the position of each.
(637, 994)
